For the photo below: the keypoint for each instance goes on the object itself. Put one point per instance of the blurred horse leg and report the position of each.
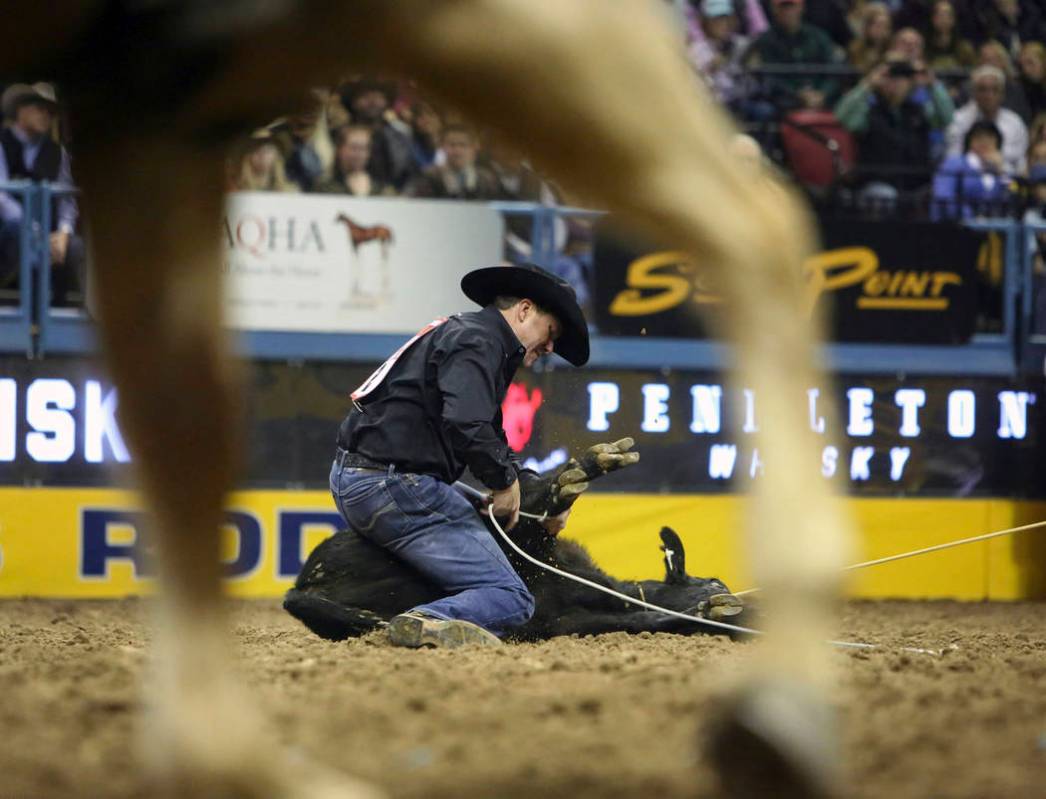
(154, 203)
(599, 94)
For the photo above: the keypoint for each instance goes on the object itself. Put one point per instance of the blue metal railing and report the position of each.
(16, 314)
(31, 325)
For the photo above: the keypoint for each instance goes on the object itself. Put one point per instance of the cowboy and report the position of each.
(28, 152)
(429, 411)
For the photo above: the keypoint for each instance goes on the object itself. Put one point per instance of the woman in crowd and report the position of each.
(1032, 64)
(1036, 154)
(945, 48)
(350, 176)
(873, 37)
(426, 129)
(976, 183)
(257, 165)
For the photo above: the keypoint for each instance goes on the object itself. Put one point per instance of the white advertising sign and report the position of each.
(328, 263)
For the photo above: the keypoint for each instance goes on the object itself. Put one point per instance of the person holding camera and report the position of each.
(894, 112)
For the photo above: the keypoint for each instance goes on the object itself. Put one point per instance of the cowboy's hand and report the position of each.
(605, 458)
(573, 480)
(59, 246)
(506, 504)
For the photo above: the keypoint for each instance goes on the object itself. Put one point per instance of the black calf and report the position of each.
(349, 586)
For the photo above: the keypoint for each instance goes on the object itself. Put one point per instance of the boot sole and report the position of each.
(414, 633)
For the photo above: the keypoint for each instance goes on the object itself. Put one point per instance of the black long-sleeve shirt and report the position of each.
(438, 409)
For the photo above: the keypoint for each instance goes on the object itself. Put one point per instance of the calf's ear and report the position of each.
(675, 557)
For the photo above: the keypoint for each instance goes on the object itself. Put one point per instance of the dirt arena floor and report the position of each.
(608, 716)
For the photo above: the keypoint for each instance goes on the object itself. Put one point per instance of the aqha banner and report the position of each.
(327, 263)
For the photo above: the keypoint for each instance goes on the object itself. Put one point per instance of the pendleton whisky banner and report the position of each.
(894, 436)
(884, 282)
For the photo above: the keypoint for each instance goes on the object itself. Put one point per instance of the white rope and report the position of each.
(914, 552)
(658, 608)
(475, 493)
(611, 591)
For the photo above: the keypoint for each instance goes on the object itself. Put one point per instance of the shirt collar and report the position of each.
(509, 342)
(25, 138)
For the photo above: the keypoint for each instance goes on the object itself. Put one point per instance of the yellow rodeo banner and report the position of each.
(91, 543)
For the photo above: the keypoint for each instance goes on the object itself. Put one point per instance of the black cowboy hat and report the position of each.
(553, 294)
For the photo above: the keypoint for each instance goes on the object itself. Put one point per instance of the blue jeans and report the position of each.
(433, 528)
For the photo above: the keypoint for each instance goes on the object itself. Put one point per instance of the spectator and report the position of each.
(992, 53)
(893, 111)
(749, 14)
(1036, 154)
(919, 14)
(350, 175)
(989, 86)
(427, 125)
(717, 56)
(910, 44)
(1032, 78)
(28, 152)
(790, 41)
(1037, 131)
(257, 165)
(976, 182)
(945, 47)
(305, 148)
(392, 153)
(338, 115)
(1036, 215)
(460, 178)
(1012, 22)
(830, 17)
(873, 36)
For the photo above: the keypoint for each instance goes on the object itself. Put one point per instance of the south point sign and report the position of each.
(702, 408)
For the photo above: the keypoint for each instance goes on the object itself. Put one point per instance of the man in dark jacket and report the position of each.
(460, 178)
(27, 152)
(369, 100)
(788, 42)
(893, 112)
(433, 409)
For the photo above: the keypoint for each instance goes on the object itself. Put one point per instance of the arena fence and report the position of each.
(30, 324)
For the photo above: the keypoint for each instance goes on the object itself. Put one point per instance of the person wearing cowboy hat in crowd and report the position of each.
(392, 160)
(430, 411)
(28, 152)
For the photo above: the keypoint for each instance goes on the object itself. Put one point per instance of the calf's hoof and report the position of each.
(413, 629)
(775, 739)
(719, 607)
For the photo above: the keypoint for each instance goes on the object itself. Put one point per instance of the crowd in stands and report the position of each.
(369, 137)
(901, 83)
(931, 107)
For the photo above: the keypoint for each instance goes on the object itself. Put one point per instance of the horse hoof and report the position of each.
(775, 740)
